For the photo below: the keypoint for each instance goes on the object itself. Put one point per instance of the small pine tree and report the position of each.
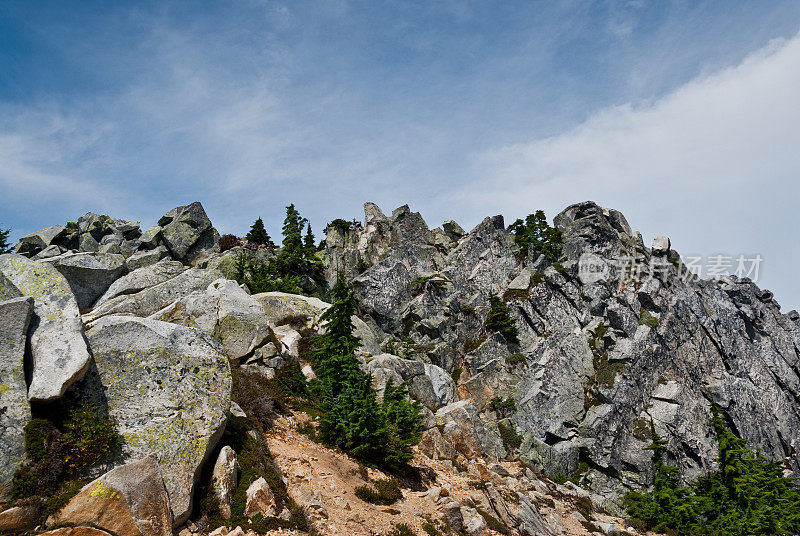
(499, 320)
(5, 247)
(537, 232)
(335, 359)
(258, 234)
(377, 432)
(309, 241)
(292, 231)
(746, 496)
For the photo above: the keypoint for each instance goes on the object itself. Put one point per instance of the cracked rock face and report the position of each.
(15, 412)
(605, 347)
(58, 349)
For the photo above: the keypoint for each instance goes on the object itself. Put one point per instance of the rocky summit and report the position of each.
(149, 387)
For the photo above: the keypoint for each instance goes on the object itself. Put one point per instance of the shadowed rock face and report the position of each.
(15, 412)
(603, 350)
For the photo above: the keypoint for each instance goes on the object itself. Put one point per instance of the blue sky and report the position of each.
(683, 115)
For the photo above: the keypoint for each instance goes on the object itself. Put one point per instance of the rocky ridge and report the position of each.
(149, 326)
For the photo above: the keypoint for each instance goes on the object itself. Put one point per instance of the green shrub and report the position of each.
(385, 492)
(502, 405)
(646, 318)
(536, 232)
(473, 344)
(60, 454)
(508, 434)
(430, 529)
(498, 320)
(747, 495)
(5, 247)
(258, 234)
(401, 529)
(516, 359)
(492, 523)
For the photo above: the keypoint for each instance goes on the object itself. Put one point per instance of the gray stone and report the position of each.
(453, 230)
(182, 228)
(260, 500)
(464, 430)
(58, 349)
(142, 259)
(89, 274)
(427, 383)
(15, 412)
(151, 238)
(139, 279)
(35, 242)
(154, 298)
(224, 311)
(225, 477)
(661, 245)
(169, 389)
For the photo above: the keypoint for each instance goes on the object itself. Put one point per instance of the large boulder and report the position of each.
(127, 501)
(35, 242)
(169, 389)
(154, 298)
(284, 308)
(89, 274)
(15, 412)
(183, 227)
(224, 311)
(428, 383)
(462, 428)
(58, 348)
(142, 278)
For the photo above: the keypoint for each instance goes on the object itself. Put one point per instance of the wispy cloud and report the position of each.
(714, 163)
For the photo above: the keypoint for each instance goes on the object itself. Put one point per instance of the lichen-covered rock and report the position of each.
(282, 307)
(142, 278)
(225, 477)
(429, 384)
(183, 227)
(15, 412)
(224, 311)
(58, 349)
(156, 297)
(89, 274)
(127, 501)
(169, 388)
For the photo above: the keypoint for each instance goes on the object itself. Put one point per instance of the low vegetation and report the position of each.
(59, 454)
(746, 495)
(500, 321)
(5, 247)
(383, 492)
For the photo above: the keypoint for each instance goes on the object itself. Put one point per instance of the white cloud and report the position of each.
(715, 164)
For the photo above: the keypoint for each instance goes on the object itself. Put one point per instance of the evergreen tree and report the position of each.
(499, 320)
(308, 243)
(258, 234)
(335, 359)
(537, 232)
(5, 247)
(377, 432)
(746, 496)
(292, 230)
